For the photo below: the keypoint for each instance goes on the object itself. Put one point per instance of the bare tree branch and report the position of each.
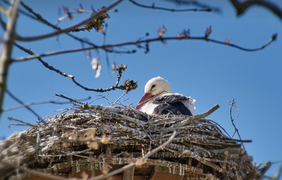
(146, 41)
(243, 5)
(6, 48)
(41, 19)
(168, 9)
(65, 30)
(194, 3)
(128, 85)
(71, 51)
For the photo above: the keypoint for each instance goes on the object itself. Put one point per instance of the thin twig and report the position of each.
(95, 15)
(232, 121)
(55, 101)
(168, 9)
(41, 19)
(119, 98)
(128, 85)
(138, 42)
(221, 128)
(23, 122)
(27, 107)
(68, 98)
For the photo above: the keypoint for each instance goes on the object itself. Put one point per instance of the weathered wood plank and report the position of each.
(128, 174)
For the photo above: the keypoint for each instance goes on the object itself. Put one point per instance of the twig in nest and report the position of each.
(220, 127)
(22, 103)
(72, 100)
(119, 98)
(232, 121)
(205, 114)
(55, 101)
(101, 97)
(23, 123)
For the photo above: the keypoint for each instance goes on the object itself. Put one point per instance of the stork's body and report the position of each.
(160, 100)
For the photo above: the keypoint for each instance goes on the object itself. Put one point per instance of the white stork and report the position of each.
(160, 100)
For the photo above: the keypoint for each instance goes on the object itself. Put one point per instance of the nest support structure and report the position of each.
(99, 140)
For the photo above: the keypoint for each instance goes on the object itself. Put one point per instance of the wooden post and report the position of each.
(128, 174)
(109, 151)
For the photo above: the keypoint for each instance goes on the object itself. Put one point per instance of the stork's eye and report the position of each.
(153, 86)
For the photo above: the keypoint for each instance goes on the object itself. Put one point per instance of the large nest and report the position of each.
(92, 137)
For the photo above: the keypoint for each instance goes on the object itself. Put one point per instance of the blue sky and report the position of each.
(209, 72)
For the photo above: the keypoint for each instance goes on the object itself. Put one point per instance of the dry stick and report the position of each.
(27, 107)
(207, 113)
(222, 128)
(71, 76)
(172, 10)
(232, 121)
(119, 98)
(95, 15)
(6, 48)
(127, 118)
(55, 101)
(72, 100)
(23, 122)
(191, 118)
(145, 41)
(50, 176)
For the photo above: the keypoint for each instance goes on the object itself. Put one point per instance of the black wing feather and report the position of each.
(170, 99)
(171, 105)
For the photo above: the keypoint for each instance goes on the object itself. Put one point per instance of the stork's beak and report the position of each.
(143, 100)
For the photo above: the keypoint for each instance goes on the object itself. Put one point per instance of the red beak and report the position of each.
(143, 100)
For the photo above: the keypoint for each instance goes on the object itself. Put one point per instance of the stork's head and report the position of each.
(154, 88)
